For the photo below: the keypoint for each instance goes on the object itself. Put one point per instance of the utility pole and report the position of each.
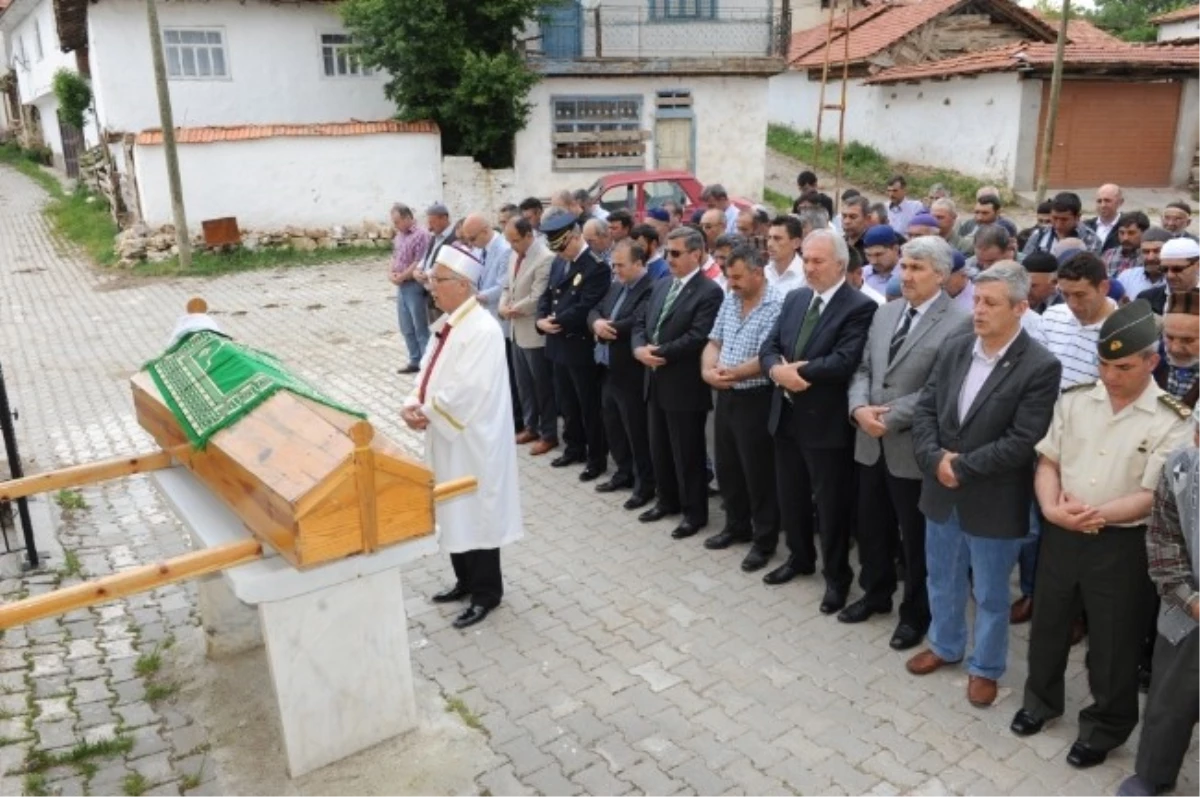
(1052, 111)
(182, 239)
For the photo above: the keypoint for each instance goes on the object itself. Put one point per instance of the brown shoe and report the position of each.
(926, 662)
(525, 436)
(542, 447)
(981, 692)
(1021, 611)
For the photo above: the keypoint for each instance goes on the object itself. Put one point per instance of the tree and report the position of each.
(454, 62)
(1129, 19)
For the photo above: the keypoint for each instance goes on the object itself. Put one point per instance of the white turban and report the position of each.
(1180, 249)
(460, 262)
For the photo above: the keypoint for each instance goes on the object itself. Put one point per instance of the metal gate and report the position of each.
(73, 147)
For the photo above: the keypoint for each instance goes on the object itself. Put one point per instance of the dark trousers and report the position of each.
(479, 572)
(1105, 575)
(510, 356)
(677, 450)
(626, 431)
(1172, 710)
(889, 521)
(535, 383)
(820, 479)
(745, 471)
(578, 391)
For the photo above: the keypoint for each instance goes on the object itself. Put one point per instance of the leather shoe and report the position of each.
(656, 512)
(684, 530)
(833, 601)
(567, 459)
(542, 446)
(906, 637)
(1021, 611)
(637, 501)
(861, 611)
(1084, 756)
(981, 692)
(614, 484)
(473, 614)
(590, 473)
(926, 662)
(726, 538)
(1025, 724)
(755, 560)
(409, 369)
(455, 593)
(525, 436)
(786, 572)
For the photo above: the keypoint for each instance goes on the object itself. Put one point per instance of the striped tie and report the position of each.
(672, 295)
(901, 334)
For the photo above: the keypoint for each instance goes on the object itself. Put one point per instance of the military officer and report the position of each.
(1100, 463)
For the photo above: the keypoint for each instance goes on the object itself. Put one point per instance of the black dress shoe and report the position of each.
(656, 512)
(861, 610)
(906, 637)
(684, 530)
(590, 473)
(455, 593)
(756, 560)
(833, 601)
(726, 538)
(786, 572)
(472, 615)
(1084, 756)
(409, 369)
(566, 459)
(613, 484)
(1025, 724)
(637, 501)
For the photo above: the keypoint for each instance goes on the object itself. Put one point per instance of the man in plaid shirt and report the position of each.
(1128, 254)
(408, 247)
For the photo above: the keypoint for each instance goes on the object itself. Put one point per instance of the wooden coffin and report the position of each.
(314, 483)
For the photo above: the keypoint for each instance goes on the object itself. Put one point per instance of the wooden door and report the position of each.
(673, 144)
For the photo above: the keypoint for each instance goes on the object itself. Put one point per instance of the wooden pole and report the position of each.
(79, 475)
(127, 582)
(364, 473)
(454, 488)
(182, 238)
(1052, 111)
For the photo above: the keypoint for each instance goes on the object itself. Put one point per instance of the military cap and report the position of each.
(557, 224)
(1184, 302)
(1129, 330)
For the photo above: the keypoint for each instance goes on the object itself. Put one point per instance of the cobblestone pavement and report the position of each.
(620, 661)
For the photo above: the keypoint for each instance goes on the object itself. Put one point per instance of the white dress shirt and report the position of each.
(826, 295)
(981, 368)
(791, 279)
(921, 309)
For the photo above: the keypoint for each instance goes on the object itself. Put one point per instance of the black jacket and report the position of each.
(573, 290)
(681, 339)
(623, 369)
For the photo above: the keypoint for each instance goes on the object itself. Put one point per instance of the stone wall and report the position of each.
(141, 243)
(468, 187)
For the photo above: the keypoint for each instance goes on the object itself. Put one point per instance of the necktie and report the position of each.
(517, 267)
(901, 334)
(441, 336)
(807, 326)
(672, 295)
(602, 345)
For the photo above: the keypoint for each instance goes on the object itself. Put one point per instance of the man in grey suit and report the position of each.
(528, 274)
(987, 403)
(904, 341)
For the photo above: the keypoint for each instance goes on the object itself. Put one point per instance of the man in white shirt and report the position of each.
(900, 209)
(786, 269)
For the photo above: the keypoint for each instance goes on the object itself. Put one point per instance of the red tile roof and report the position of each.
(1085, 56)
(208, 135)
(1176, 16)
(813, 39)
(873, 33)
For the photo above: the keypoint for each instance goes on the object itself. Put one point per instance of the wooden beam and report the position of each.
(137, 579)
(79, 475)
(454, 488)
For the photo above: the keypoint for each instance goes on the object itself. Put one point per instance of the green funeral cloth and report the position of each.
(210, 383)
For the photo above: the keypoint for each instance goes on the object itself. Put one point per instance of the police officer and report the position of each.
(1095, 480)
(578, 281)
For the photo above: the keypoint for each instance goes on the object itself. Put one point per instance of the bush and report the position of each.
(74, 97)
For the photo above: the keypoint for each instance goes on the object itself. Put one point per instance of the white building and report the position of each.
(1180, 25)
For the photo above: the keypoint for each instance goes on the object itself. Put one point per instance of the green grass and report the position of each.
(80, 756)
(148, 663)
(71, 564)
(866, 167)
(779, 201)
(189, 781)
(70, 500)
(134, 784)
(207, 264)
(456, 705)
(35, 785)
(158, 691)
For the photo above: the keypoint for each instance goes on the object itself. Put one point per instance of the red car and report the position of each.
(637, 192)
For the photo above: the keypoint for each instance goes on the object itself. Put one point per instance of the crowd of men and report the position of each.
(959, 397)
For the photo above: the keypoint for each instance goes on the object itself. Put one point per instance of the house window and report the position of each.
(598, 132)
(683, 9)
(37, 41)
(338, 57)
(195, 53)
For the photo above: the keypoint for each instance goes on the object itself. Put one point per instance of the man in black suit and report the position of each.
(622, 401)
(1108, 213)
(987, 403)
(437, 219)
(578, 281)
(668, 339)
(811, 354)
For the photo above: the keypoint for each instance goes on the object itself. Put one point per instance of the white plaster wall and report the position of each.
(730, 130)
(467, 187)
(1187, 137)
(274, 57)
(971, 125)
(303, 181)
(35, 79)
(1184, 29)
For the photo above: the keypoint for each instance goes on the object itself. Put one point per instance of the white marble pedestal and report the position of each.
(336, 635)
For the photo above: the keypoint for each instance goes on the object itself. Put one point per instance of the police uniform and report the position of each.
(573, 290)
(1101, 457)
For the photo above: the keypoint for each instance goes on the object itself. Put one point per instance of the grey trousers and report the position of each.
(1172, 710)
(535, 386)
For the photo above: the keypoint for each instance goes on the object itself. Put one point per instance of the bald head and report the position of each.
(987, 190)
(476, 230)
(1108, 202)
(713, 225)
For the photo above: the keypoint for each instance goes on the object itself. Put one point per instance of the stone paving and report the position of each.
(621, 661)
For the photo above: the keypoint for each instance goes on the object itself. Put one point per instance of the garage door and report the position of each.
(1112, 133)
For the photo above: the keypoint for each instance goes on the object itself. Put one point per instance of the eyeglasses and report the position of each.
(436, 279)
(1177, 269)
(676, 253)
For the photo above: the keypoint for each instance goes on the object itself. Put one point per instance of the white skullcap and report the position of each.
(460, 262)
(1180, 249)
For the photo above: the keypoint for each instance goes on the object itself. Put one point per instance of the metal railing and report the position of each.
(623, 31)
